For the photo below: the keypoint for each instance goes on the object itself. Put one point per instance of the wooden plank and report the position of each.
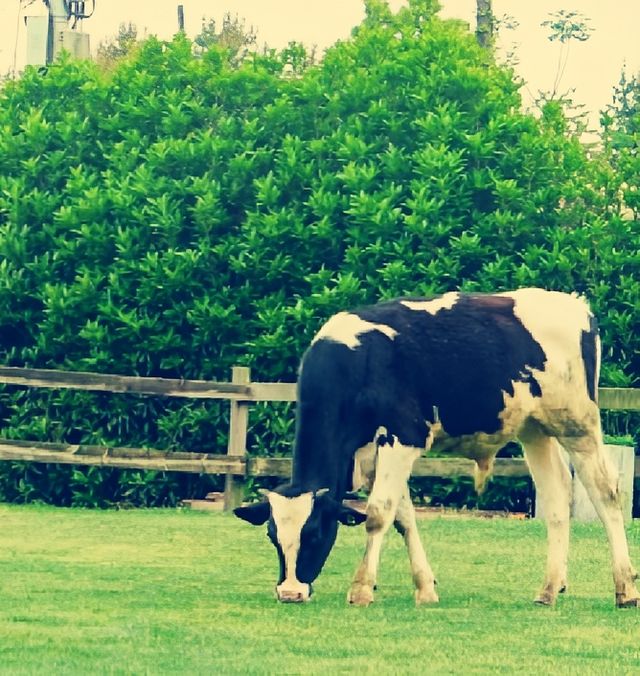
(613, 398)
(125, 458)
(444, 467)
(423, 467)
(237, 443)
(273, 391)
(105, 382)
(115, 451)
(269, 467)
(609, 397)
(448, 467)
(516, 467)
(209, 463)
(619, 398)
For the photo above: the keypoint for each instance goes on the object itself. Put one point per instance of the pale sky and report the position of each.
(593, 66)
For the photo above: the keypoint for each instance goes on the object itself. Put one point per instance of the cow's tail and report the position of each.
(590, 348)
(482, 473)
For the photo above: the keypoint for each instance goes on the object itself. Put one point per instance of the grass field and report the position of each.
(155, 592)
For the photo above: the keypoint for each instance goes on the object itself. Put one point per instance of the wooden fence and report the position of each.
(236, 464)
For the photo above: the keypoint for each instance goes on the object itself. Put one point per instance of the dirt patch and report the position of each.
(443, 512)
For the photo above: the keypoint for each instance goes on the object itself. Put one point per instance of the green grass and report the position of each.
(154, 592)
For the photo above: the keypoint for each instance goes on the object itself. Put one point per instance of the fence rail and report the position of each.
(236, 464)
(166, 387)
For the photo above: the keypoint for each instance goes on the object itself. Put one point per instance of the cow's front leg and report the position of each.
(361, 591)
(423, 578)
(393, 468)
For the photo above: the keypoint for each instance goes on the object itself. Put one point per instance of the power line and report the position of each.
(21, 6)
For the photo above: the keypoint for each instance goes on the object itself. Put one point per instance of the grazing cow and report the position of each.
(464, 373)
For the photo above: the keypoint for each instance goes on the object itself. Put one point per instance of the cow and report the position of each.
(463, 373)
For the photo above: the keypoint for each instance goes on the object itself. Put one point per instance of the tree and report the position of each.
(116, 48)
(621, 119)
(234, 37)
(566, 26)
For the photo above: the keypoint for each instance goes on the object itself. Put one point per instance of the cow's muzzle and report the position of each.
(297, 592)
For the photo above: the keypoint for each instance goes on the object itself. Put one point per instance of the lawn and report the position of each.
(155, 592)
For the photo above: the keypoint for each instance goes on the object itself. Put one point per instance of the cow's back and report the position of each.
(473, 363)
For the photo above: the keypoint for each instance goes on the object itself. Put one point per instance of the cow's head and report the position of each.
(303, 529)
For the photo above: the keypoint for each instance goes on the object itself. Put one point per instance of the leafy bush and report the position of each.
(176, 215)
(502, 493)
(69, 486)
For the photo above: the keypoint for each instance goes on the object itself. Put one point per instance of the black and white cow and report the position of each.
(381, 385)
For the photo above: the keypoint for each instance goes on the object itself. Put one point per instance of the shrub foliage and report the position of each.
(179, 213)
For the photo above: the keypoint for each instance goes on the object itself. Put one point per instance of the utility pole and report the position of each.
(58, 22)
(485, 26)
(181, 18)
(50, 33)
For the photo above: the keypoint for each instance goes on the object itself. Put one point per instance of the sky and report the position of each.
(593, 67)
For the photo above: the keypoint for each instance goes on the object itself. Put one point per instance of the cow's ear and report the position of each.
(343, 513)
(255, 514)
(349, 516)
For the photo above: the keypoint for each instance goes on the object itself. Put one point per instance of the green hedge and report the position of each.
(178, 215)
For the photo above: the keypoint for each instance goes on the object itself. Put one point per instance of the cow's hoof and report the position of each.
(425, 588)
(426, 596)
(548, 594)
(544, 599)
(622, 602)
(360, 595)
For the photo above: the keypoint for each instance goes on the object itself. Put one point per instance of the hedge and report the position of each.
(179, 214)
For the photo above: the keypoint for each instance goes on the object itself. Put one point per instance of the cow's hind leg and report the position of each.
(393, 468)
(600, 481)
(553, 485)
(405, 523)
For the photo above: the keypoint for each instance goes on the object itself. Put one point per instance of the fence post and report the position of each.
(237, 444)
(623, 462)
